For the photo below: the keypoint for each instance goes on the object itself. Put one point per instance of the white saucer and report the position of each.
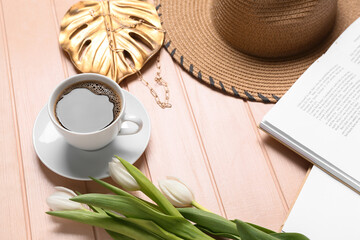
(70, 162)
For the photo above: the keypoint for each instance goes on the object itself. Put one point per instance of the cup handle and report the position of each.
(131, 130)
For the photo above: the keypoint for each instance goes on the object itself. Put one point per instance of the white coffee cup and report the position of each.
(97, 139)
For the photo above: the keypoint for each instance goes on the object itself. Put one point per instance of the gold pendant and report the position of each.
(113, 38)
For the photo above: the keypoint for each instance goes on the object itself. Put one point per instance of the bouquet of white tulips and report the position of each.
(125, 216)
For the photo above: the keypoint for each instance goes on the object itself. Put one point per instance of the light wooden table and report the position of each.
(209, 140)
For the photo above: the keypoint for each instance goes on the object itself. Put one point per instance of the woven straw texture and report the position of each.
(203, 47)
(274, 28)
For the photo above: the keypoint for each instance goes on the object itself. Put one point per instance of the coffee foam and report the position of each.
(97, 88)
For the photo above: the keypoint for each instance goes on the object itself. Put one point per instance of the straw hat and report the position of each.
(253, 49)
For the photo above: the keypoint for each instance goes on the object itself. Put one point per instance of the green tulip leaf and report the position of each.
(106, 222)
(219, 234)
(118, 236)
(132, 208)
(265, 230)
(210, 221)
(97, 209)
(148, 226)
(254, 232)
(216, 224)
(112, 188)
(248, 232)
(121, 192)
(149, 189)
(289, 236)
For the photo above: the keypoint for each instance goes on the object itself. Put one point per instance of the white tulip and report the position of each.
(59, 200)
(176, 192)
(121, 176)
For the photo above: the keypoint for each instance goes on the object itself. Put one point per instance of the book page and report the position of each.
(333, 100)
(322, 109)
(325, 209)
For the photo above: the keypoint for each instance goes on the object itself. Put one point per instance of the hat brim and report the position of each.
(193, 42)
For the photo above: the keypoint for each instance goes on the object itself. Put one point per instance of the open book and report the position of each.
(325, 210)
(319, 117)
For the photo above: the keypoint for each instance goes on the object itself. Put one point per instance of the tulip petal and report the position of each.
(121, 176)
(176, 192)
(65, 190)
(59, 200)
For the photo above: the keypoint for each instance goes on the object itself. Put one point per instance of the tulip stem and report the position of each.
(198, 206)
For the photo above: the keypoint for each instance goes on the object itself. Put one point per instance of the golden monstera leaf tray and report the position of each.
(113, 38)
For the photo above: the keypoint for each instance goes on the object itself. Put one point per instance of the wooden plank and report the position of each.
(36, 69)
(174, 149)
(289, 167)
(247, 186)
(13, 196)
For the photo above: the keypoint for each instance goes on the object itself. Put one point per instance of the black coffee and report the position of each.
(87, 106)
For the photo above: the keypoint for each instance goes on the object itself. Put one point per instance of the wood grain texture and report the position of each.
(246, 186)
(12, 188)
(290, 168)
(36, 69)
(174, 149)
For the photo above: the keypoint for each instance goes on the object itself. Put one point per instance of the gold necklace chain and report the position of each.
(160, 81)
(158, 78)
